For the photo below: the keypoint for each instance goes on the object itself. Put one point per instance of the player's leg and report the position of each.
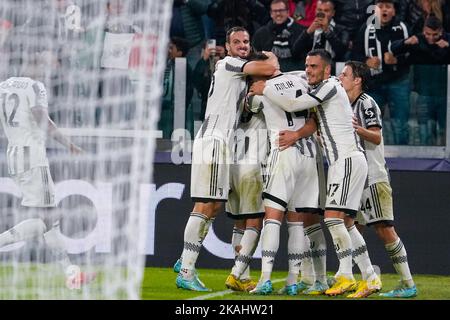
(379, 213)
(371, 282)
(209, 189)
(397, 252)
(193, 240)
(270, 241)
(297, 251)
(240, 279)
(318, 247)
(346, 178)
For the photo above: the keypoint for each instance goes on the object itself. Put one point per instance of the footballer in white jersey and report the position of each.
(211, 150)
(291, 179)
(250, 157)
(348, 167)
(26, 153)
(212, 154)
(376, 202)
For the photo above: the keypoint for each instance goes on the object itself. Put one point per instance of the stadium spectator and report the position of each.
(203, 72)
(303, 11)
(390, 74)
(279, 35)
(250, 14)
(187, 24)
(351, 15)
(414, 12)
(376, 203)
(178, 47)
(429, 51)
(323, 33)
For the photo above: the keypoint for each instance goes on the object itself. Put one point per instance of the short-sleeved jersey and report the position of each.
(26, 140)
(289, 85)
(334, 113)
(226, 93)
(368, 115)
(335, 119)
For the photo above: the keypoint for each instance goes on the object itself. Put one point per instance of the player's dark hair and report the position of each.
(323, 54)
(360, 70)
(234, 29)
(257, 56)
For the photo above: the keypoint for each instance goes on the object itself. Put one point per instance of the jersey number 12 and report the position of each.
(14, 99)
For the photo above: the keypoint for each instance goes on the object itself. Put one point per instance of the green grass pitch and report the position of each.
(159, 284)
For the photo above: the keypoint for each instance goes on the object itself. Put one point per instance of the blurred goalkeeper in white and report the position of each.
(26, 123)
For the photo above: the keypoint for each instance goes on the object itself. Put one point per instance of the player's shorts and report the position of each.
(345, 184)
(292, 182)
(376, 205)
(37, 187)
(244, 199)
(210, 170)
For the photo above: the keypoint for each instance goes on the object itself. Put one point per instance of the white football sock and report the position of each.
(193, 238)
(296, 250)
(270, 243)
(360, 254)
(54, 241)
(342, 245)
(307, 269)
(397, 252)
(23, 231)
(318, 251)
(249, 242)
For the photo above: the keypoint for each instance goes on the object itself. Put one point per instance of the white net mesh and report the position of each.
(104, 62)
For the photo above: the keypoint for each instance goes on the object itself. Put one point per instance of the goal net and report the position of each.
(104, 63)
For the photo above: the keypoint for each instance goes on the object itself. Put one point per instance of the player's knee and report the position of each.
(385, 232)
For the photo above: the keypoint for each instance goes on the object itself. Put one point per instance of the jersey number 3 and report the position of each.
(12, 99)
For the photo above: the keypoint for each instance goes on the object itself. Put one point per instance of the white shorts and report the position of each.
(292, 181)
(210, 170)
(376, 204)
(244, 200)
(345, 184)
(37, 187)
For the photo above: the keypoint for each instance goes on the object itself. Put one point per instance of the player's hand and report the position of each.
(412, 40)
(273, 60)
(257, 88)
(355, 124)
(286, 139)
(389, 58)
(74, 149)
(373, 62)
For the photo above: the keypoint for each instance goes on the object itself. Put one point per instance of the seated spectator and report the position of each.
(178, 47)
(323, 33)
(390, 74)
(430, 52)
(203, 72)
(278, 36)
(303, 11)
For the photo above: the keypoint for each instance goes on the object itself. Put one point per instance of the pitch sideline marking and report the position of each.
(222, 293)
